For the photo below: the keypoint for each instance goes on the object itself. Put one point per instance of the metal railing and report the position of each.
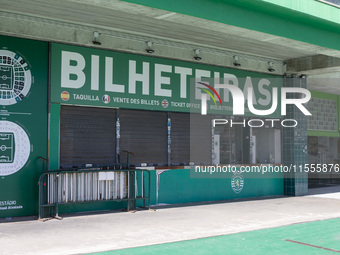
(73, 186)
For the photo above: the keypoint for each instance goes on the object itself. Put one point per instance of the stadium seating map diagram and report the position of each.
(14, 147)
(6, 147)
(15, 83)
(15, 78)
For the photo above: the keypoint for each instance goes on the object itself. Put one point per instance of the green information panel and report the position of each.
(23, 123)
(84, 76)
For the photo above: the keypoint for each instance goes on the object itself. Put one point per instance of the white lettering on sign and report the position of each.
(142, 77)
(184, 73)
(265, 92)
(94, 72)
(248, 84)
(109, 85)
(161, 80)
(74, 74)
(229, 79)
(199, 75)
(68, 68)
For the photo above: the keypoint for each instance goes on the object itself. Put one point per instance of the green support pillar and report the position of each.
(295, 145)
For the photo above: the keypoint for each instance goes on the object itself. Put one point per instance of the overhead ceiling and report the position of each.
(121, 16)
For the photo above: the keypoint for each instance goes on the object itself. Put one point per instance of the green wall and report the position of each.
(313, 8)
(54, 136)
(323, 95)
(179, 186)
(20, 188)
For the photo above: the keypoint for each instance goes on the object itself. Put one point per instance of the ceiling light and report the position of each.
(271, 67)
(197, 53)
(148, 47)
(236, 61)
(95, 38)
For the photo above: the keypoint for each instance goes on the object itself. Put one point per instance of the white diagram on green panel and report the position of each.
(15, 147)
(15, 78)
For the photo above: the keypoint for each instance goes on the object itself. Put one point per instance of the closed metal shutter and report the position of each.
(87, 136)
(144, 133)
(191, 139)
(200, 139)
(180, 138)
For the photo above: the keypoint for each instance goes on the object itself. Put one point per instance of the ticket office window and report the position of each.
(265, 145)
(231, 144)
(243, 144)
(165, 138)
(143, 133)
(87, 136)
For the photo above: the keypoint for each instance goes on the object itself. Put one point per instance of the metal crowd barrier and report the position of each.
(73, 186)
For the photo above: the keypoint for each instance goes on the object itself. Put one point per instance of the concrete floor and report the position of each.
(117, 230)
